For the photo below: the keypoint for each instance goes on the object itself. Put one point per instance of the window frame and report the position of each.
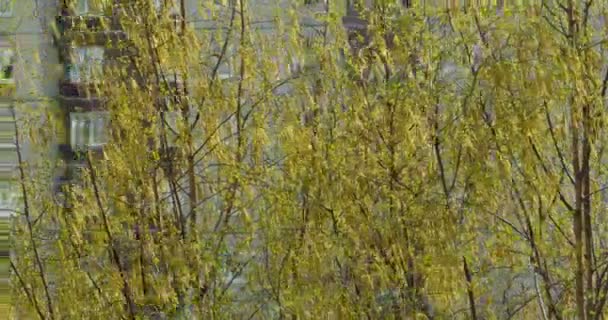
(7, 54)
(314, 2)
(11, 8)
(81, 68)
(159, 5)
(227, 68)
(88, 129)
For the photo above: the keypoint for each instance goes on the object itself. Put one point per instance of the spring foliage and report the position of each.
(450, 166)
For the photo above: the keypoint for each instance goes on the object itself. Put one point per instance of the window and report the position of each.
(6, 8)
(7, 59)
(90, 7)
(88, 129)
(224, 3)
(352, 4)
(8, 195)
(159, 4)
(295, 67)
(174, 122)
(170, 125)
(87, 62)
(226, 69)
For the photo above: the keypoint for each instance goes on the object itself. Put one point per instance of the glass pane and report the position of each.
(100, 136)
(6, 7)
(81, 134)
(4, 56)
(93, 61)
(86, 132)
(82, 6)
(77, 132)
(98, 122)
(74, 73)
(81, 55)
(6, 63)
(73, 129)
(96, 53)
(225, 69)
(76, 69)
(86, 66)
(93, 131)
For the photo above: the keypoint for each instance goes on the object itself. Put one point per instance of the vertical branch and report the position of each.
(126, 289)
(143, 229)
(30, 296)
(28, 218)
(587, 230)
(539, 296)
(192, 190)
(470, 293)
(580, 173)
(437, 149)
(77, 250)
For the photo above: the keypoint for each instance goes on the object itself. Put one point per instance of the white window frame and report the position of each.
(86, 61)
(226, 68)
(170, 124)
(312, 3)
(223, 3)
(9, 5)
(87, 8)
(296, 65)
(90, 126)
(7, 58)
(159, 4)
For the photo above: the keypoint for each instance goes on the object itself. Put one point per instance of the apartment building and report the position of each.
(83, 51)
(24, 43)
(42, 69)
(50, 53)
(64, 75)
(7, 93)
(82, 46)
(28, 62)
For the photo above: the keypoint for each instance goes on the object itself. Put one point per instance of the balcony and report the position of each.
(102, 37)
(67, 153)
(67, 23)
(81, 103)
(353, 21)
(78, 155)
(87, 30)
(87, 27)
(79, 96)
(78, 89)
(168, 157)
(71, 174)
